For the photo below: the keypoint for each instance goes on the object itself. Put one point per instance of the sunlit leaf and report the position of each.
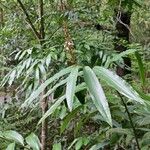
(11, 146)
(12, 77)
(58, 102)
(118, 83)
(70, 87)
(97, 94)
(141, 67)
(48, 60)
(33, 141)
(15, 136)
(41, 88)
(52, 109)
(57, 146)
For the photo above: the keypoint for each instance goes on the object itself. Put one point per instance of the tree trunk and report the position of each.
(44, 102)
(123, 30)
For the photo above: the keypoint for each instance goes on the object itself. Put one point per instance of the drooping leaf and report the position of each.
(141, 67)
(12, 77)
(15, 136)
(41, 88)
(58, 102)
(29, 60)
(52, 108)
(33, 141)
(11, 146)
(42, 70)
(70, 87)
(122, 54)
(97, 94)
(57, 146)
(118, 83)
(48, 60)
(74, 141)
(54, 88)
(79, 144)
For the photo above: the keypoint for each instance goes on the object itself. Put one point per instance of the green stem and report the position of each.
(131, 122)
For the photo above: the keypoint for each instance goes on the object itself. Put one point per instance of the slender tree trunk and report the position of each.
(43, 101)
(123, 30)
(40, 37)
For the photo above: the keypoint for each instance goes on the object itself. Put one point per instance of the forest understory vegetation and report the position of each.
(74, 75)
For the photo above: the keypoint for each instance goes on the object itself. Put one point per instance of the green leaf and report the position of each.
(48, 60)
(42, 70)
(79, 144)
(141, 67)
(54, 88)
(28, 62)
(41, 88)
(74, 141)
(52, 109)
(58, 102)
(1, 134)
(70, 87)
(120, 131)
(12, 77)
(11, 146)
(22, 55)
(69, 117)
(99, 146)
(143, 95)
(33, 141)
(15, 136)
(97, 94)
(118, 83)
(57, 146)
(122, 54)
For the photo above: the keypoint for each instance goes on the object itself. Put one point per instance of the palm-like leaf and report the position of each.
(118, 83)
(70, 87)
(97, 94)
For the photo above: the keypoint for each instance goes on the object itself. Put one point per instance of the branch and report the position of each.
(41, 14)
(29, 20)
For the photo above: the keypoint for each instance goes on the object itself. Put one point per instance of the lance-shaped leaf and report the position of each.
(52, 109)
(37, 92)
(70, 87)
(141, 67)
(13, 135)
(97, 94)
(54, 88)
(80, 87)
(33, 141)
(11, 146)
(118, 83)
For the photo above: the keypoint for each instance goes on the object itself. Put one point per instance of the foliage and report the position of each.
(85, 109)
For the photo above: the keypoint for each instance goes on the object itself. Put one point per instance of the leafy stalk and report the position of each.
(131, 122)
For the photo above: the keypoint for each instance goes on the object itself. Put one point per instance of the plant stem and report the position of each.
(131, 122)
(29, 20)
(44, 102)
